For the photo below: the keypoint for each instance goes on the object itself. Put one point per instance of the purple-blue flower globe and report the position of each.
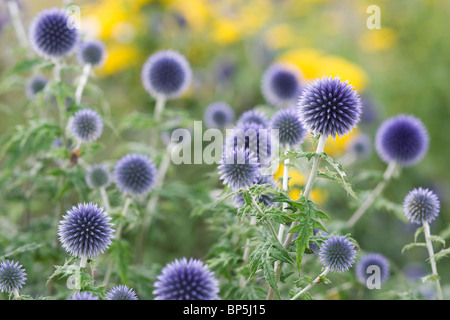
(86, 125)
(421, 205)
(121, 292)
(218, 115)
(85, 295)
(281, 85)
(337, 253)
(85, 231)
(35, 85)
(98, 176)
(330, 107)
(290, 128)
(92, 53)
(12, 276)
(166, 74)
(186, 280)
(403, 139)
(135, 174)
(364, 267)
(253, 116)
(265, 199)
(50, 34)
(239, 168)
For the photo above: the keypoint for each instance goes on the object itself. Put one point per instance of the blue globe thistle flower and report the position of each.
(135, 174)
(12, 276)
(289, 126)
(121, 292)
(186, 280)
(85, 231)
(265, 199)
(361, 146)
(337, 253)
(372, 259)
(92, 52)
(85, 295)
(281, 84)
(421, 205)
(253, 116)
(167, 74)
(86, 125)
(218, 115)
(403, 139)
(98, 176)
(35, 85)
(50, 35)
(239, 168)
(330, 107)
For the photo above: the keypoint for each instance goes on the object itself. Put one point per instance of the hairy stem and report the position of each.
(14, 12)
(426, 227)
(271, 228)
(317, 280)
(387, 176)
(312, 178)
(105, 199)
(285, 188)
(16, 294)
(159, 108)
(82, 83)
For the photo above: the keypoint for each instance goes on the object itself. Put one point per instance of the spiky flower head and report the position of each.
(403, 139)
(421, 205)
(121, 292)
(364, 267)
(360, 145)
(290, 128)
(330, 107)
(253, 116)
(35, 85)
(186, 280)
(135, 174)
(337, 253)
(98, 176)
(265, 199)
(239, 168)
(51, 34)
(86, 125)
(85, 295)
(92, 53)
(166, 74)
(281, 84)
(218, 115)
(12, 276)
(85, 231)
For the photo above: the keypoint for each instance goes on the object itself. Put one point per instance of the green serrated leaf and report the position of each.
(413, 245)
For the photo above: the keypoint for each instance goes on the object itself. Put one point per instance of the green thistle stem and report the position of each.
(317, 280)
(426, 228)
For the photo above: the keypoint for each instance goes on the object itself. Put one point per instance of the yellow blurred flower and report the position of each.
(378, 40)
(119, 57)
(196, 12)
(338, 146)
(280, 36)
(224, 32)
(296, 184)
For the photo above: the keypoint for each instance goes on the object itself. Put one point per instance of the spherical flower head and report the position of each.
(186, 280)
(135, 174)
(253, 116)
(85, 295)
(92, 53)
(239, 168)
(421, 205)
(85, 231)
(51, 34)
(12, 276)
(166, 74)
(121, 293)
(35, 85)
(86, 125)
(330, 107)
(218, 115)
(281, 84)
(265, 199)
(366, 267)
(361, 146)
(403, 139)
(337, 253)
(290, 128)
(98, 176)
